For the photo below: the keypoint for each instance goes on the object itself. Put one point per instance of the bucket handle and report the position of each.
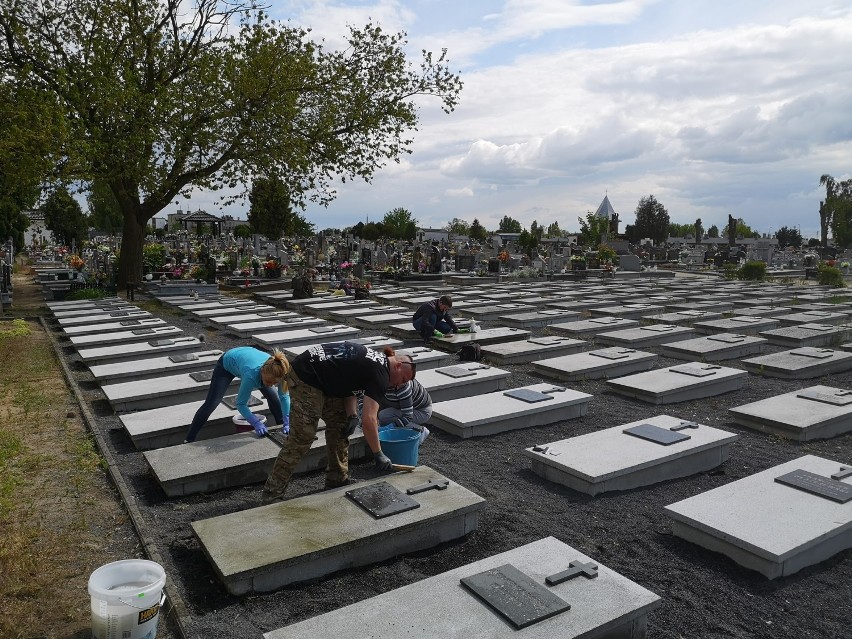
(129, 603)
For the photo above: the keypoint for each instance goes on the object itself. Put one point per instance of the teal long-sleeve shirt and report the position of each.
(245, 362)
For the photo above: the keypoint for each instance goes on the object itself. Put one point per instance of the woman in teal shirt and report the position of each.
(257, 370)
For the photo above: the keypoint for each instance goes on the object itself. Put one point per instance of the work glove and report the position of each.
(383, 462)
(437, 333)
(259, 427)
(463, 330)
(285, 427)
(351, 424)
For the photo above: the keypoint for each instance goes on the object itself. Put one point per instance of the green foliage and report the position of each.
(157, 98)
(652, 220)
(527, 241)
(730, 271)
(680, 230)
(754, 271)
(592, 229)
(509, 225)
(270, 211)
(477, 231)
(64, 217)
(104, 212)
(153, 257)
(553, 230)
(372, 231)
(458, 227)
(830, 276)
(745, 230)
(242, 231)
(836, 210)
(788, 236)
(87, 294)
(15, 328)
(713, 231)
(399, 224)
(606, 253)
(698, 230)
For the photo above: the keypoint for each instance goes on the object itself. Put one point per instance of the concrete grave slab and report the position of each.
(314, 335)
(626, 311)
(273, 325)
(808, 335)
(103, 318)
(579, 304)
(167, 426)
(813, 317)
(680, 383)
(758, 310)
(739, 324)
(492, 310)
(405, 330)
(137, 351)
(379, 321)
(348, 314)
(715, 348)
(453, 343)
(243, 309)
(800, 363)
(532, 349)
(596, 364)
(221, 321)
(498, 412)
(115, 311)
(337, 304)
(105, 302)
(223, 304)
(645, 336)
(154, 366)
(113, 327)
(376, 342)
(612, 459)
(126, 336)
(233, 460)
(425, 357)
(587, 329)
(718, 305)
(538, 319)
(815, 412)
(686, 318)
(607, 606)
(463, 379)
(157, 392)
(768, 526)
(327, 532)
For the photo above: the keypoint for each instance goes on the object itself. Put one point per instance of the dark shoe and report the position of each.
(267, 498)
(329, 485)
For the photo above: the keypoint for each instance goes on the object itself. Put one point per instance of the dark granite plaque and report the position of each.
(129, 323)
(695, 370)
(605, 320)
(659, 328)
(268, 314)
(544, 341)
(837, 398)
(456, 371)
(202, 376)
(187, 357)
(143, 331)
(825, 487)
(527, 395)
(745, 319)
(231, 401)
(382, 500)
(121, 314)
(547, 312)
(822, 328)
(727, 338)
(520, 600)
(655, 434)
(293, 320)
(609, 353)
(363, 341)
(813, 353)
(161, 342)
(321, 329)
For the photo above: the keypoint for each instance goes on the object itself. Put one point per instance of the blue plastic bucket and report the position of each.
(400, 445)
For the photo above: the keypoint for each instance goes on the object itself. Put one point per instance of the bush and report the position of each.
(755, 271)
(86, 294)
(729, 271)
(829, 276)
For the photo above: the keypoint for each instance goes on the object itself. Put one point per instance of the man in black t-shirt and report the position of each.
(322, 381)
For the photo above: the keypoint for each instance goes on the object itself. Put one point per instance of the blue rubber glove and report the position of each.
(285, 427)
(259, 426)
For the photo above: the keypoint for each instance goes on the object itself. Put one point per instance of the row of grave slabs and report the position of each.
(381, 500)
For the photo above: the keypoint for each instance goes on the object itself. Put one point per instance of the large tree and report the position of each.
(458, 227)
(477, 231)
(160, 97)
(64, 218)
(652, 220)
(104, 214)
(509, 225)
(399, 224)
(592, 229)
(270, 208)
(836, 211)
(788, 236)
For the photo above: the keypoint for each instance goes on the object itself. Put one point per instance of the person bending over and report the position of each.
(406, 406)
(322, 381)
(434, 317)
(257, 370)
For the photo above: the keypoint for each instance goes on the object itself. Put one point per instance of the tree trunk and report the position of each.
(132, 241)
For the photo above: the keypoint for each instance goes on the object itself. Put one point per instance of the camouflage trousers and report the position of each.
(307, 406)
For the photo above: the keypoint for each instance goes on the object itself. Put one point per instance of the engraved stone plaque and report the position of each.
(822, 328)
(231, 401)
(129, 323)
(825, 487)
(161, 342)
(610, 353)
(813, 353)
(188, 357)
(727, 338)
(659, 328)
(746, 319)
(456, 371)
(545, 341)
(202, 376)
(655, 434)
(382, 500)
(119, 314)
(527, 395)
(268, 314)
(695, 370)
(143, 331)
(515, 596)
(321, 329)
(838, 398)
(604, 320)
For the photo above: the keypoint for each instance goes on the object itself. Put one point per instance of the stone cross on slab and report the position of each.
(843, 473)
(575, 569)
(684, 425)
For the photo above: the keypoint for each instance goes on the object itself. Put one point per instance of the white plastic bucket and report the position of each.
(126, 599)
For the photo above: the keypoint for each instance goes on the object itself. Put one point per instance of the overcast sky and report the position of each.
(714, 107)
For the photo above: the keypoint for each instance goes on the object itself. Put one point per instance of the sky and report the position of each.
(712, 107)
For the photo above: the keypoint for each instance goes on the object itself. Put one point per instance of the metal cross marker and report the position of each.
(575, 569)
(440, 484)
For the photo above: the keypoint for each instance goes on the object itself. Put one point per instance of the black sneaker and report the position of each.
(329, 485)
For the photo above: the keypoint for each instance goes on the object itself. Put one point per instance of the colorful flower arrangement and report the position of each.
(76, 262)
(346, 265)
(503, 257)
(271, 264)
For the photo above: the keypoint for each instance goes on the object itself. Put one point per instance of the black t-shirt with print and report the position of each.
(338, 369)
